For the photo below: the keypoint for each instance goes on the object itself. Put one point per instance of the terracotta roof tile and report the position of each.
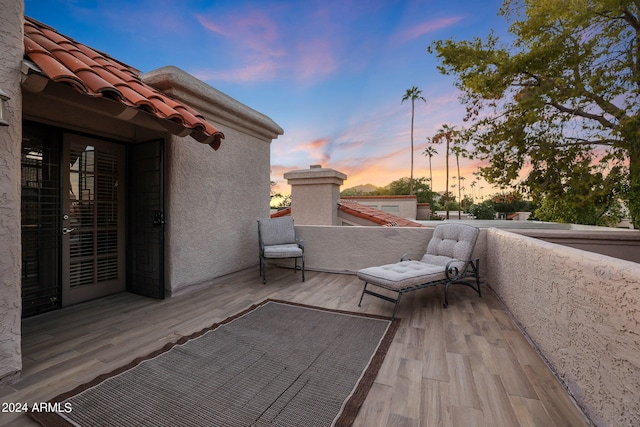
(96, 74)
(374, 215)
(377, 216)
(281, 212)
(134, 99)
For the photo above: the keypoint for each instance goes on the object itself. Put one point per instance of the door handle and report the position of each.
(66, 230)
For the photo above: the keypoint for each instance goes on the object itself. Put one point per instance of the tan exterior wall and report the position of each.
(314, 195)
(215, 200)
(11, 51)
(582, 311)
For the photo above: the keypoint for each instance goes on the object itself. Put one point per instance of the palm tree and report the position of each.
(413, 94)
(473, 191)
(448, 134)
(430, 151)
(458, 150)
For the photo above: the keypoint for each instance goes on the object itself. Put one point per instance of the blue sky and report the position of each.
(331, 73)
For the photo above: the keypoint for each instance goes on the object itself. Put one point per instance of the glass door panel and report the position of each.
(93, 218)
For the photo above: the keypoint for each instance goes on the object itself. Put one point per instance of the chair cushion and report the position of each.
(452, 241)
(277, 231)
(282, 251)
(401, 275)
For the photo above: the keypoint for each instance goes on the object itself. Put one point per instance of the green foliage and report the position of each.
(482, 211)
(399, 187)
(442, 201)
(421, 189)
(563, 210)
(504, 203)
(280, 201)
(508, 203)
(356, 192)
(560, 100)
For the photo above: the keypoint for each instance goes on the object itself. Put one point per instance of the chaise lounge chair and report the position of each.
(448, 260)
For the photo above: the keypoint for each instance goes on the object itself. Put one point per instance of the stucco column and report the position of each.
(11, 53)
(314, 195)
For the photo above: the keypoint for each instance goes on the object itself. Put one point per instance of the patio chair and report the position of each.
(447, 261)
(278, 239)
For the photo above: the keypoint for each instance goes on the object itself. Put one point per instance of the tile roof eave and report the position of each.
(281, 212)
(93, 73)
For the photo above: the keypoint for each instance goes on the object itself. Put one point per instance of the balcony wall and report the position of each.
(623, 244)
(580, 309)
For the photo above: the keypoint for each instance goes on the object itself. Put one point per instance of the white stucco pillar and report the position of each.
(11, 53)
(314, 195)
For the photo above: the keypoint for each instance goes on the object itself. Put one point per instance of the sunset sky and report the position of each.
(331, 73)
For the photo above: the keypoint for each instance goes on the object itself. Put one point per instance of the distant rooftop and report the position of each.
(374, 215)
(376, 197)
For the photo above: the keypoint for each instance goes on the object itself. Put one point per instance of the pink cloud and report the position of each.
(316, 144)
(314, 58)
(206, 23)
(263, 46)
(316, 150)
(425, 28)
(255, 39)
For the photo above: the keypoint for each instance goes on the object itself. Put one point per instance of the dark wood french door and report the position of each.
(93, 218)
(145, 240)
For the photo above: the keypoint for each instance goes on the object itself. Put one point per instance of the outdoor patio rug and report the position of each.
(275, 364)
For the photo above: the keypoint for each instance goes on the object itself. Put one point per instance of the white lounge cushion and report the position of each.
(442, 261)
(401, 275)
(453, 241)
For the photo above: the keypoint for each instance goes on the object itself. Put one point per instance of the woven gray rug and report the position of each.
(276, 364)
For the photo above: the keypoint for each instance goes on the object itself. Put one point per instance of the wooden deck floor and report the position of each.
(467, 365)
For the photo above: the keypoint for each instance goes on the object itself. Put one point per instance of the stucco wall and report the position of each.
(214, 201)
(623, 244)
(11, 45)
(582, 310)
(314, 195)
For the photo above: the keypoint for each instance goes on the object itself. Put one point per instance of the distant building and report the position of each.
(315, 200)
